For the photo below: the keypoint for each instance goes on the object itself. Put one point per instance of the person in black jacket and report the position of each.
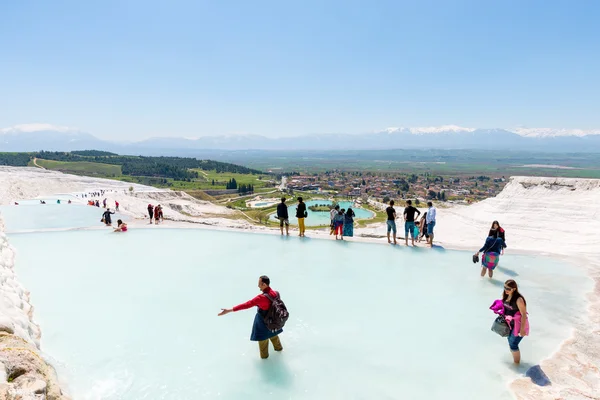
(107, 218)
(301, 213)
(282, 215)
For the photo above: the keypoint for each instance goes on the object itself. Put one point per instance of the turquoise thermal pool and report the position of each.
(134, 315)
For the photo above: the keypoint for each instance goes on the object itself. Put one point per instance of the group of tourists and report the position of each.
(96, 203)
(284, 218)
(416, 229)
(512, 321)
(155, 213)
(342, 222)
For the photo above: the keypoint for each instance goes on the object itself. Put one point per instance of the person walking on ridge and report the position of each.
(260, 332)
(409, 221)
(391, 221)
(301, 213)
(431, 215)
(282, 215)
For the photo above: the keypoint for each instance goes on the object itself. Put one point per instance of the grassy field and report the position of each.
(435, 162)
(221, 178)
(81, 168)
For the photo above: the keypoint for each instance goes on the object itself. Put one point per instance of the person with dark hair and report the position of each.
(260, 332)
(301, 213)
(338, 225)
(121, 226)
(282, 215)
(391, 221)
(497, 231)
(349, 222)
(491, 255)
(106, 217)
(409, 221)
(332, 213)
(150, 212)
(423, 232)
(431, 215)
(515, 307)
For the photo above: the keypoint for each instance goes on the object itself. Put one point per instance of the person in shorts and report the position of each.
(431, 215)
(391, 221)
(409, 221)
(282, 215)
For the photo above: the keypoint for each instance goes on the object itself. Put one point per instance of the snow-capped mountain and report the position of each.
(33, 137)
(551, 132)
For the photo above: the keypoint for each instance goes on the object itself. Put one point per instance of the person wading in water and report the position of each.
(260, 332)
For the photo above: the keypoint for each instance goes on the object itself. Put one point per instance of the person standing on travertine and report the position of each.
(409, 221)
(260, 332)
(431, 215)
(301, 213)
(391, 221)
(282, 215)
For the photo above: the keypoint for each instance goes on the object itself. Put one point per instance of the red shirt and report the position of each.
(259, 301)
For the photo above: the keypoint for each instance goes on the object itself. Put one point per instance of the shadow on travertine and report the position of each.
(538, 376)
(496, 282)
(507, 271)
(275, 371)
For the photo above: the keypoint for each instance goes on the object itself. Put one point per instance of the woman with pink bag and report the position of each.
(513, 310)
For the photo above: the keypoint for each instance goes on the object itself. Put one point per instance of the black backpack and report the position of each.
(277, 315)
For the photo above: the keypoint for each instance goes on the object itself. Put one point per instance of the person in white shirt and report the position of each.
(431, 212)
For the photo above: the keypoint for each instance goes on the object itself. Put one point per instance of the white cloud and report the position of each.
(36, 128)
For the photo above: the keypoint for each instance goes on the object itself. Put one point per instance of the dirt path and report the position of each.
(36, 164)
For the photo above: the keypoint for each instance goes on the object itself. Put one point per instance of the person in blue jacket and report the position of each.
(491, 254)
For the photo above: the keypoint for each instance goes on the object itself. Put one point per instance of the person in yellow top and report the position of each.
(301, 213)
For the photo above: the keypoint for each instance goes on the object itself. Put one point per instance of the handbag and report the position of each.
(500, 326)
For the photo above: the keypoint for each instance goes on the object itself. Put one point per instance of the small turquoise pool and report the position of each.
(320, 218)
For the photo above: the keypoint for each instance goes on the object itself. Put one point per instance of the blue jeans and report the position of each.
(430, 226)
(409, 227)
(513, 342)
(391, 226)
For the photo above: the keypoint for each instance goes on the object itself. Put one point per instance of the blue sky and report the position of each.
(135, 69)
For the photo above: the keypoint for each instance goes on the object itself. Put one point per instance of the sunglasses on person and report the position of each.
(508, 288)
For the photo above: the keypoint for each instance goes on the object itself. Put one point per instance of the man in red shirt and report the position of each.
(260, 332)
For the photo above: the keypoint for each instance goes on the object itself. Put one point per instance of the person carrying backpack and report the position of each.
(271, 316)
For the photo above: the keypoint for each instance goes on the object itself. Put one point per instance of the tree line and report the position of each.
(15, 159)
(178, 168)
(241, 187)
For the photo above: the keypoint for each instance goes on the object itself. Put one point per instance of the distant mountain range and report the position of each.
(37, 137)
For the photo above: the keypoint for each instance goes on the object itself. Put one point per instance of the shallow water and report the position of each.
(317, 218)
(133, 316)
(29, 215)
